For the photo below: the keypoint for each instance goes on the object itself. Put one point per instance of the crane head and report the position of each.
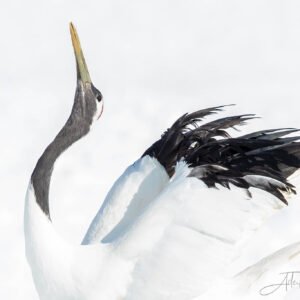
(88, 103)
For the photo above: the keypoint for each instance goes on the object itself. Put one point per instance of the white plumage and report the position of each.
(168, 248)
(175, 221)
(130, 194)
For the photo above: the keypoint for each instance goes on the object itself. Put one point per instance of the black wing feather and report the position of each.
(263, 159)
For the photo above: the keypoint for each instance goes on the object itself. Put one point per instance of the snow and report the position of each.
(152, 61)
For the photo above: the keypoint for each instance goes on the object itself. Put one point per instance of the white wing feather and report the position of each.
(139, 184)
(187, 236)
(268, 276)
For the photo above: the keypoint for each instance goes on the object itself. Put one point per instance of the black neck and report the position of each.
(41, 176)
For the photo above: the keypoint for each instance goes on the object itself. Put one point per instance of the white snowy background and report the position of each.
(153, 61)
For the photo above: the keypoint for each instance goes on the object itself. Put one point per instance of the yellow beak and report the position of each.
(83, 72)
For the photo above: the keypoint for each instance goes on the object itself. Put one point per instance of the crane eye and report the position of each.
(99, 97)
(97, 93)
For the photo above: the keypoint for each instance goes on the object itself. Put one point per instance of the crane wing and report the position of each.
(215, 157)
(190, 233)
(188, 236)
(135, 188)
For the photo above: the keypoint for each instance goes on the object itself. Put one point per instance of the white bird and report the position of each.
(176, 218)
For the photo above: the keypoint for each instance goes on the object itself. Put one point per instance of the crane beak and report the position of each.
(82, 69)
